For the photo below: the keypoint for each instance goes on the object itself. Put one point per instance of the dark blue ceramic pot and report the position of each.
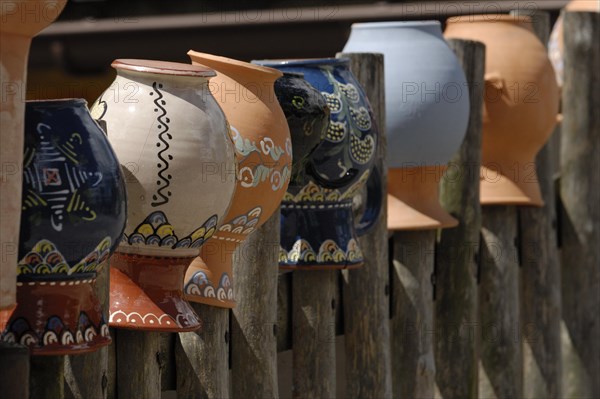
(318, 229)
(73, 215)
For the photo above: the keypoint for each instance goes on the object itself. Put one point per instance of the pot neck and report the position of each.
(244, 73)
(384, 29)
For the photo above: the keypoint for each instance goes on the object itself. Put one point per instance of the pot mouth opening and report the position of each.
(302, 62)
(395, 24)
(225, 62)
(163, 67)
(293, 74)
(491, 18)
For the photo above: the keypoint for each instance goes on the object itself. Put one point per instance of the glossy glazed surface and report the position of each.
(317, 225)
(73, 215)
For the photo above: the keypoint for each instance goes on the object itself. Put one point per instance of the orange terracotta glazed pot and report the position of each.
(261, 134)
(20, 21)
(520, 105)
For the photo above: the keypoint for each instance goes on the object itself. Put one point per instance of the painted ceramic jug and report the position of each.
(173, 142)
(317, 224)
(73, 214)
(307, 116)
(427, 112)
(520, 105)
(555, 44)
(264, 155)
(20, 22)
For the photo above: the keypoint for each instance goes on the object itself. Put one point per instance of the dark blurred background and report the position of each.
(72, 57)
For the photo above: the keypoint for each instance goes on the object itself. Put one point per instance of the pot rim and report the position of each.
(162, 67)
(302, 62)
(57, 102)
(395, 24)
(233, 62)
(458, 19)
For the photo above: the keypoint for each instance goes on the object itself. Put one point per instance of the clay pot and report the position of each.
(307, 115)
(21, 21)
(73, 214)
(264, 154)
(520, 105)
(555, 44)
(427, 112)
(173, 142)
(317, 223)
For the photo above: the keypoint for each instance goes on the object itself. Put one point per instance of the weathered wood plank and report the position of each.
(457, 250)
(138, 373)
(202, 357)
(412, 325)
(86, 375)
(313, 321)
(540, 270)
(500, 374)
(254, 323)
(47, 377)
(580, 196)
(366, 290)
(14, 363)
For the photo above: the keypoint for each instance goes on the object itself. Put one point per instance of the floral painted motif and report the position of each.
(329, 252)
(157, 231)
(56, 332)
(243, 224)
(262, 169)
(315, 193)
(45, 258)
(200, 285)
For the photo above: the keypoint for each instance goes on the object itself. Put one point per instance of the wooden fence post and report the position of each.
(254, 323)
(313, 331)
(457, 251)
(580, 196)
(540, 270)
(86, 375)
(202, 356)
(412, 327)
(366, 290)
(47, 377)
(138, 372)
(14, 363)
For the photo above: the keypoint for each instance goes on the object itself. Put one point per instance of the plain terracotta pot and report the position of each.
(413, 199)
(520, 105)
(173, 141)
(20, 22)
(555, 44)
(259, 129)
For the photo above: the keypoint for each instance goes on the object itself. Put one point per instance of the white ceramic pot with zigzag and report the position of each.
(173, 142)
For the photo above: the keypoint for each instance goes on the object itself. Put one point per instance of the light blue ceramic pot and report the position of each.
(427, 99)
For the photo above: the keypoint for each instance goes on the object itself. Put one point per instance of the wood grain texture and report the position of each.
(412, 326)
(14, 363)
(313, 320)
(580, 196)
(47, 377)
(254, 322)
(138, 373)
(457, 250)
(540, 270)
(202, 357)
(500, 374)
(86, 375)
(366, 290)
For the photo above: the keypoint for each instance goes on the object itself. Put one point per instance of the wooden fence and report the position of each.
(414, 318)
